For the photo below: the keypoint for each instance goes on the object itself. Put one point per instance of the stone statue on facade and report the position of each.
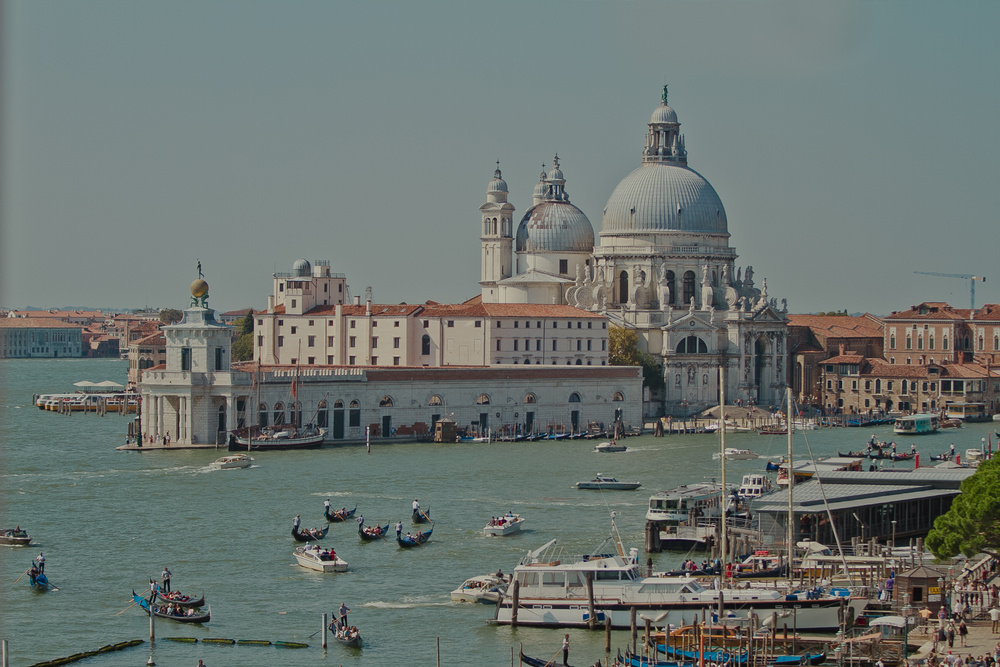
(663, 291)
(707, 293)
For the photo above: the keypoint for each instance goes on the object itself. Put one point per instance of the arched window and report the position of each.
(981, 343)
(483, 399)
(354, 414)
(673, 288)
(878, 386)
(618, 397)
(338, 404)
(579, 362)
(386, 402)
(425, 345)
(435, 400)
(529, 398)
(996, 342)
(692, 345)
(688, 287)
(322, 415)
(966, 343)
(262, 415)
(623, 287)
(295, 414)
(279, 414)
(574, 397)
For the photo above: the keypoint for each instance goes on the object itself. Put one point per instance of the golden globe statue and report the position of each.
(199, 288)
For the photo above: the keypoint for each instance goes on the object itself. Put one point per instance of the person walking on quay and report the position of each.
(995, 617)
(950, 634)
(963, 630)
(165, 576)
(565, 649)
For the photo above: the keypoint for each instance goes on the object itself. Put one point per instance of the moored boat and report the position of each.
(15, 537)
(409, 541)
(309, 534)
(501, 526)
(610, 447)
(320, 560)
(233, 462)
(608, 484)
(275, 439)
(173, 612)
(754, 485)
(485, 588)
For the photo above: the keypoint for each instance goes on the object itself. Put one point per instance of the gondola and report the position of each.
(726, 657)
(340, 515)
(808, 659)
(178, 598)
(421, 516)
(772, 466)
(853, 455)
(372, 534)
(158, 611)
(554, 662)
(309, 534)
(351, 638)
(38, 581)
(410, 541)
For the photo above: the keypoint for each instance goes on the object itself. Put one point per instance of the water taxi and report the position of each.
(605, 483)
(485, 588)
(233, 462)
(733, 454)
(321, 560)
(504, 525)
(916, 424)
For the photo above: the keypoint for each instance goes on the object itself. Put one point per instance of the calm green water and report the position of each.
(109, 520)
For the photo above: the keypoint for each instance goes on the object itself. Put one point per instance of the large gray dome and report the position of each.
(554, 226)
(660, 197)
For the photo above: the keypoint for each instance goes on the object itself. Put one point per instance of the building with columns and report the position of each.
(661, 265)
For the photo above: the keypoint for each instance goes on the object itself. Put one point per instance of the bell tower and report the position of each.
(496, 237)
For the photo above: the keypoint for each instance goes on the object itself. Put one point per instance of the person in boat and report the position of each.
(565, 649)
(165, 576)
(296, 522)
(399, 529)
(40, 560)
(342, 612)
(416, 505)
(326, 505)
(913, 448)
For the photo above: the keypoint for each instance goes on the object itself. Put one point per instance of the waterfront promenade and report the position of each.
(980, 641)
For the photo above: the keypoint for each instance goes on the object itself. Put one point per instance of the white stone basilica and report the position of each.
(663, 266)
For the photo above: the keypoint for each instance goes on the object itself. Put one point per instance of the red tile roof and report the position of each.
(36, 323)
(931, 310)
(840, 326)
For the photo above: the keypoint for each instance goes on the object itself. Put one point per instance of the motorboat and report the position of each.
(504, 525)
(609, 446)
(15, 537)
(606, 585)
(754, 485)
(485, 588)
(233, 462)
(974, 456)
(608, 483)
(733, 454)
(686, 516)
(321, 560)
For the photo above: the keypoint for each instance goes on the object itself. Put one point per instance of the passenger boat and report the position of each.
(485, 588)
(608, 484)
(421, 516)
(970, 412)
(409, 541)
(233, 462)
(733, 454)
(754, 485)
(372, 533)
(179, 598)
(160, 611)
(686, 516)
(349, 637)
(916, 424)
(609, 446)
(15, 537)
(556, 590)
(502, 526)
(339, 515)
(309, 534)
(320, 560)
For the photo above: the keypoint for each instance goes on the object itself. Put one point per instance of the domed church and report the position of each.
(662, 266)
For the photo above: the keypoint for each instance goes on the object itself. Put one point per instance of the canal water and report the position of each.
(109, 520)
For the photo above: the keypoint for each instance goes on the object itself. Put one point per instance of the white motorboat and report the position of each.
(557, 590)
(321, 560)
(232, 462)
(754, 485)
(733, 454)
(610, 446)
(607, 483)
(486, 588)
(504, 525)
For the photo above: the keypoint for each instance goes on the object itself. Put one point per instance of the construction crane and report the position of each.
(972, 282)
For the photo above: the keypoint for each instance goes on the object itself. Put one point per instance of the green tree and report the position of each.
(243, 346)
(246, 324)
(972, 525)
(170, 315)
(623, 350)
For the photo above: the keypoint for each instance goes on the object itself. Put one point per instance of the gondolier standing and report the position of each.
(40, 560)
(165, 575)
(416, 506)
(565, 650)
(343, 614)
(326, 505)
(399, 529)
(296, 522)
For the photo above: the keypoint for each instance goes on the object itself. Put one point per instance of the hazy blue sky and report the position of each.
(851, 142)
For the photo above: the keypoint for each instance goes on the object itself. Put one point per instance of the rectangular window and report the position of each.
(930, 343)
(312, 323)
(329, 359)
(564, 266)
(374, 361)
(515, 345)
(352, 324)
(888, 385)
(579, 325)
(311, 341)
(579, 345)
(329, 341)
(479, 324)
(604, 345)
(589, 342)
(294, 330)
(374, 342)
(374, 323)
(311, 361)
(260, 341)
(498, 324)
(427, 323)
(553, 346)
(451, 323)
(350, 360)
(293, 303)
(498, 346)
(854, 385)
(281, 341)
(351, 341)
(538, 345)
(281, 323)
(395, 361)
(260, 322)
(395, 343)
(516, 324)
(829, 384)
(395, 323)
(185, 358)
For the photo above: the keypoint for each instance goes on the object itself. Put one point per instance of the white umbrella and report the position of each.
(110, 385)
(84, 383)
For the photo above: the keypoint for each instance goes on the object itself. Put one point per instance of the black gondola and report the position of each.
(554, 662)
(421, 516)
(340, 515)
(179, 598)
(371, 534)
(410, 541)
(309, 534)
(349, 637)
(160, 612)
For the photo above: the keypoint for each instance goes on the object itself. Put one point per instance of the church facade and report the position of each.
(661, 265)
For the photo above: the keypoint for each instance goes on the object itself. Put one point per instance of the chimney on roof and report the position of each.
(841, 346)
(357, 299)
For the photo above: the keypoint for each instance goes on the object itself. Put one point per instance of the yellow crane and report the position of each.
(972, 282)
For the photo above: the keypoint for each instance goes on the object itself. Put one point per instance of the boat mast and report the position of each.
(791, 482)
(723, 537)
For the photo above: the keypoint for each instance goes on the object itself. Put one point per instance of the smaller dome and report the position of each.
(497, 184)
(663, 114)
(199, 288)
(556, 173)
(301, 267)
